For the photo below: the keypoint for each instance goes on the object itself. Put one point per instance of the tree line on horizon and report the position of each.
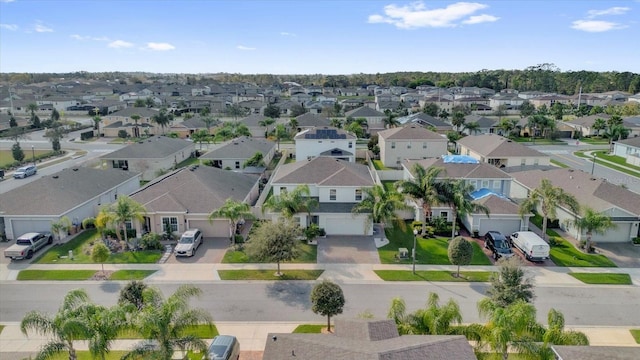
(543, 77)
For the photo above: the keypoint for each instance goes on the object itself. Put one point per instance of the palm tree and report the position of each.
(266, 123)
(291, 203)
(598, 125)
(398, 313)
(381, 206)
(473, 127)
(456, 195)
(434, 319)
(337, 123)
(293, 124)
(162, 118)
(390, 121)
(96, 121)
(65, 328)
(424, 189)
(592, 222)
(556, 334)
(123, 210)
(208, 120)
(458, 120)
(234, 211)
(136, 130)
(547, 198)
(453, 137)
(105, 324)
(166, 321)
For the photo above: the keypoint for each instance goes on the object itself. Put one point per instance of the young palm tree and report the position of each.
(105, 324)
(390, 121)
(424, 189)
(592, 222)
(136, 130)
(291, 203)
(456, 195)
(381, 206)
(234, 211)
(65, 328)
(547, 198)
(162, 118)
(434, 319)
(123, 210)
(166, 320)
(266, 123)
(96, 123)
(556, 334)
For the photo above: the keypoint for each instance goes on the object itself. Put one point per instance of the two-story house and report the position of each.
(409, 142)
(375, 119)
(500, 151)
(336, 184)
(325, 141)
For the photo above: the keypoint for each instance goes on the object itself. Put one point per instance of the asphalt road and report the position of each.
(289, 301)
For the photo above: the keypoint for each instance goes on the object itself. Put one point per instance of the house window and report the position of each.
(409, 145)
(424, 145)
(121, 164)
(332, 194)
(473, 183)
(358, 194)
(496, 184)
(485, 183)
(237, 164)
(350, 145)
(444, 215)
(393, 145)
(170, 222)
(283, 190)
(296, 220)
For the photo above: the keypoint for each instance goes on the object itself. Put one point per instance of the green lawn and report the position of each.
(131, 274)
(187, 162)
(269, 274)
(112, 355)
(429, 250)
(81, 246)
(538, 141)
(600, 278)
(1, 328)
(199, 331)
(55, 274)
(389, 185)
(636, 334)
(308, 329)
(6, 156)
(616, 159)
(602, 154)
(558, 163)
(378, 165)
(307, 254)
(565, 254)
(405, 275)
(595, 141)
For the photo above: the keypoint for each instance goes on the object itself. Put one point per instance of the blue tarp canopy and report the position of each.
(459, 159)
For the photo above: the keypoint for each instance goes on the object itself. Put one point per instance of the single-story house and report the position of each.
(336, 184)
(622, 205)
(234, 153)
(309, 120)
(77, 193)
(366, 339)
(150, 157)
(184, 198)
(375, 119)
(628, 149)
(187, 127)
(111, 124)
(500, 151)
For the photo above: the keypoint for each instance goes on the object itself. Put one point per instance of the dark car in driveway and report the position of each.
(499, 245)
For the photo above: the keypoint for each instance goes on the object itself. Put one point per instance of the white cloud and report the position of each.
(284, 33)
(159, 46)
(617, 10)
(242, 47)
(477, 19)
(12, 27)
(120, 44)
(87, 38)
(7, 1)
(42, 28)
(417, 15)
(596, 25)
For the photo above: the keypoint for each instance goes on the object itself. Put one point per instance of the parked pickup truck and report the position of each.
(27, 244)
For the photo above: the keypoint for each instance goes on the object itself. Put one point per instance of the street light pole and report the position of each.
(33, 155)
(593, 164)
(415, 236)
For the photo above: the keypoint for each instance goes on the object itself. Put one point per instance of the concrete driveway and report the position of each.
(347, 250)
(622, 254)
(210, 252)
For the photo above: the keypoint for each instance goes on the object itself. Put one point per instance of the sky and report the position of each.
(317, 36)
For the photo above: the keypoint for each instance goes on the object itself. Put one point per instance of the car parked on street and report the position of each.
(189, 242)
(25, 171)
(498, 244)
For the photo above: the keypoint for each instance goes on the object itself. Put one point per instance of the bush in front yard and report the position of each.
(151, 241)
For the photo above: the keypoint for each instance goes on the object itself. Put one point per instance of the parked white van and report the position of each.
(532, 246)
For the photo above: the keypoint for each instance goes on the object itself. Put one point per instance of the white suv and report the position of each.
(189, 243)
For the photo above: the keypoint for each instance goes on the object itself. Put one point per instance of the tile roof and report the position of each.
(240, 148)
(58, 193)
(492, 145)
(199, 190)
(157, 147)
(410, 132)
(324, 171)
(460, 171)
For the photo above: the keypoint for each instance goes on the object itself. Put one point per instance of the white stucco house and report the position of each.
(409, 142)
(77, 193)
(325, 141)
(500, 151)
(628, 149)
(234, 153)
(336, 184)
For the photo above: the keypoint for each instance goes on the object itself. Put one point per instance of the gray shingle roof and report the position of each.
(460, 171)
(492, 145)
(498, 205)
(589, 120)
(309, 120)
(410, 132)
(253, 120)
(240, 148)
(634, 141)
(324, 171)
(199, 191)
(596, 352)
(367, 344)
(143, 112)
(157, 147)
(365, 112)
(54, 196)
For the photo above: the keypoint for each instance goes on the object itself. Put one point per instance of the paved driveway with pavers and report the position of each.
(210, 252)
(347, 250)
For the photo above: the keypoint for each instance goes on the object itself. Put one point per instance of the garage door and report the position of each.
(505, 226)
(24, 226)
(618, 234)
(219, 228)
(345, 225)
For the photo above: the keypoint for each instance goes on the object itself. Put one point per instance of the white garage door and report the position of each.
(24, 226)
(345, 225)
(618, 234)
(219, 228)
(505, 226)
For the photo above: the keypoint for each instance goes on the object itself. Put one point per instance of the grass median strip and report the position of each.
(600, 278)
(58, 275)
(636, 334)
(308, 329)
(434, 275)
(131, 274)
(269, 274)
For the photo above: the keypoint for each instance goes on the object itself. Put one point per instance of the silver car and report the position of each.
(25, 171)
(189, 243)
